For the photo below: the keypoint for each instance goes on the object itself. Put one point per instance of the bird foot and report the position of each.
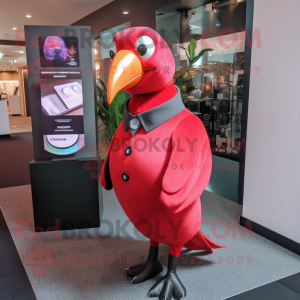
(145, 271)
(168, 286)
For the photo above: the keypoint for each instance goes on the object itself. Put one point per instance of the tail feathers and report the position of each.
(201, 242)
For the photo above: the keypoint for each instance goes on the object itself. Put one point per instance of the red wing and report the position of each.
(188, 171)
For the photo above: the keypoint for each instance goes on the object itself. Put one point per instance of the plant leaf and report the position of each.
(110, 115)
(192, 61)
(192, 49)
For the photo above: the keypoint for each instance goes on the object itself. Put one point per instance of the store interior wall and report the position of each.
(9, 80)
(17, 76)
(141, 13)
(9, 75)
(271, 192)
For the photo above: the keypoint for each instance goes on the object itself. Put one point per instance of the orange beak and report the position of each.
(125, 72)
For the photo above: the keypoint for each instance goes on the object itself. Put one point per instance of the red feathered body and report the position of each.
(153, 210)
(168, 169)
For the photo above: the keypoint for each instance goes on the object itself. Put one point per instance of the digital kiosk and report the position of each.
(65, 170)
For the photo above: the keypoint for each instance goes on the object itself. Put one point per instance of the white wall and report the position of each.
(4, 121)
(272, 176)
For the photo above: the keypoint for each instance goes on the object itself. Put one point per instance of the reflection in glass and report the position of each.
(218, 73)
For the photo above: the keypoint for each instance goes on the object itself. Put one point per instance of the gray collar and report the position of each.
(154, 117)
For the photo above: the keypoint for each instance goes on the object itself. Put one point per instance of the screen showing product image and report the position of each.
(59, 51)
(61, 93)
(71, 94)
(62, 111)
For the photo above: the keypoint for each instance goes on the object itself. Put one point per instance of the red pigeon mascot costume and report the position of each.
(159, 160)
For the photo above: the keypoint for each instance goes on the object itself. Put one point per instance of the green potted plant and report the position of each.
(110, 116)
(183, 78)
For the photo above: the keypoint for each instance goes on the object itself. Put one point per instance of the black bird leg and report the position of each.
(170, 285)
(147, 270)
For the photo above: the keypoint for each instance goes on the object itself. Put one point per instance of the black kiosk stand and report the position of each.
(65, 171)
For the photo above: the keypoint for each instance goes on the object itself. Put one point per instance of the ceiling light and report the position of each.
(14, 28)
(125, 12)
(28, 16)
(19, 52)
(218, 24)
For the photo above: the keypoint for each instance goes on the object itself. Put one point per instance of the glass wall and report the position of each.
(215, 91)
(217, 83)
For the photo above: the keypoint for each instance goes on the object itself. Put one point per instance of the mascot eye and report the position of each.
(142, 49)
(145, 46)
(112, 54)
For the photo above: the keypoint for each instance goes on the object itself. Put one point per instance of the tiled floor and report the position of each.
(19, 124)
(248, 263)
(16, 153)
(292, 282)
(285, 289)
(14, 283)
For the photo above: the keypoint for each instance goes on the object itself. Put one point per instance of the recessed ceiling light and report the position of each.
(125, 12)
(28, 16)
(14, 28)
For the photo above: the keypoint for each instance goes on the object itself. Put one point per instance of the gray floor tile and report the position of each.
(292, 282)
(247, 263)
(271, 291)
(14, 283)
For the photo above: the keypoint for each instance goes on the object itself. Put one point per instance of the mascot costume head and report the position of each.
(159, 160)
